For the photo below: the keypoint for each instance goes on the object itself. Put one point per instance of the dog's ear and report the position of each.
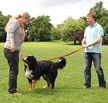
(33, 63)
(33, 59)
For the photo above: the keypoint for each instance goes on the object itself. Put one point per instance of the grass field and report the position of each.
(70, 80)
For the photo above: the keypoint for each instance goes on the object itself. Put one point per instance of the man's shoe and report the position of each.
(102, 87)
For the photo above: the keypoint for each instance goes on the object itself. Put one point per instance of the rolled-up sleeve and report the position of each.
(12, 28)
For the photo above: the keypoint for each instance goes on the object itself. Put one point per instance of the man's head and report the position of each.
(91, 18)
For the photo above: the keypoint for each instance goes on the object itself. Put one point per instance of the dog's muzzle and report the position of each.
(23, 59)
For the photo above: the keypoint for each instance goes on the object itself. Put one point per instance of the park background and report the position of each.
(45, 41)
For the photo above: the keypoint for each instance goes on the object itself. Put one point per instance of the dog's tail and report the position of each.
(61, 63)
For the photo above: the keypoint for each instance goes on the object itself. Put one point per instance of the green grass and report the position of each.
(70, 80)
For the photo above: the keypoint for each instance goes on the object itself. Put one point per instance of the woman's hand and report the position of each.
(20, 55)
(12, 49)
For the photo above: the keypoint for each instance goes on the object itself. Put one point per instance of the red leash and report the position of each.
(66, 54)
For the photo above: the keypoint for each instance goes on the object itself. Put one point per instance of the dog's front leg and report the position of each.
(30, 86)
(30, 83)
(33, 83)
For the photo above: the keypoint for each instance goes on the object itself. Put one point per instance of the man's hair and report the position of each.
(93, 14)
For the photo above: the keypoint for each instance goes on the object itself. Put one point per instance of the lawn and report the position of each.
(70, 80)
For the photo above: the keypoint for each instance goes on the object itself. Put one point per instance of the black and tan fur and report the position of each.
(47, 69)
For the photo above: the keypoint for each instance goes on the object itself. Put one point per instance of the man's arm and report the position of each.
(99, 38)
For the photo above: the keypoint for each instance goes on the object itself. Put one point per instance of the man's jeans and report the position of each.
(13, 61)
(96, 58)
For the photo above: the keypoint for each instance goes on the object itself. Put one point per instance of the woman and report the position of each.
(12, 47)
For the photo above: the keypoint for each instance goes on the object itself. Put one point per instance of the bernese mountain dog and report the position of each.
(47, 69)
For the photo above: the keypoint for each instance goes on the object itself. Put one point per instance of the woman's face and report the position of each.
(25, 19)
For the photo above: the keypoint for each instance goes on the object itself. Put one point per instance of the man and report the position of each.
(92, 43)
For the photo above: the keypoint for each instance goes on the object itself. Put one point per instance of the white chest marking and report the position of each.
(28, 73)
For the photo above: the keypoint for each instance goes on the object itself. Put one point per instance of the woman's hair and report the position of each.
(93, 14)
(24, 14)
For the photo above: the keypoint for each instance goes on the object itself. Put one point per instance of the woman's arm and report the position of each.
(12, 49)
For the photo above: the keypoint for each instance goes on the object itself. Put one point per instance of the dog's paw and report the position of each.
(30, 89)
(45, 86)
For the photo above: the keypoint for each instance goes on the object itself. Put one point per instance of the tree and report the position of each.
(99, 10)
(55, 34)
(102, 18)
(78, 36)
(1, 13)
(3, 22)
(40, 29)
(70, 27)
(27, 28)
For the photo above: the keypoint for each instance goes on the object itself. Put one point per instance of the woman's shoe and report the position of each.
(17, 93)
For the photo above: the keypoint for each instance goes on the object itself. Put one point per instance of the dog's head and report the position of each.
(29, 60)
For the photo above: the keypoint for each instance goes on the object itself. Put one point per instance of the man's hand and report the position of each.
(86, 45)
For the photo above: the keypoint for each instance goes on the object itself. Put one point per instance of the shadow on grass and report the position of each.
(60, 90)
(48, 91)
(72, 44)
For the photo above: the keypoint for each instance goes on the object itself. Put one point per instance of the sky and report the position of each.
(58, 10)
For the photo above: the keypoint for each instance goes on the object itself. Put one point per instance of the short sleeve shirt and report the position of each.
(91, 33)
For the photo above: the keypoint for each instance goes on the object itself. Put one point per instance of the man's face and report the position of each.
(90, 20)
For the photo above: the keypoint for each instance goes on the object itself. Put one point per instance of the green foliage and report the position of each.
(1, 13)
(105, 39)
(40, 29)
(55, 34)
(70, 27)
(3, 22)
(102, 18)
(101, 12)
(27, 28)
(98, 8)
(69, 82)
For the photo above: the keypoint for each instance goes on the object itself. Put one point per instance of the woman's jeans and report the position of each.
(96, 58)
(13, 61)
